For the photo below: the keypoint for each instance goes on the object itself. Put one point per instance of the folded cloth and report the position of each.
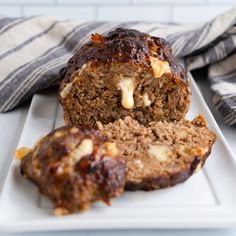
(32, 51)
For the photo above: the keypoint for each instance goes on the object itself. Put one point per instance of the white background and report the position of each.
(180, 11)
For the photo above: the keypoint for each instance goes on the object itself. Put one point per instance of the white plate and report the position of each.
(206, 200)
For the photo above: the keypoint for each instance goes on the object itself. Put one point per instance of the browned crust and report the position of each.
(96, 176)
(164, 181)
(120, 46)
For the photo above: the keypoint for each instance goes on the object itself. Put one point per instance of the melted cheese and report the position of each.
(147, 102)
(161, 153)
(111, 149)
(22, 153)
(67, 88)
(127, 87)
(199, 166)
(159, 67)
(84, 149)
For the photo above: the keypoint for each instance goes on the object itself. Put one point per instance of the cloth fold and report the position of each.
(34, 49)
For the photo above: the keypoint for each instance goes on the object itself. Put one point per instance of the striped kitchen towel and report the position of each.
(32, 50)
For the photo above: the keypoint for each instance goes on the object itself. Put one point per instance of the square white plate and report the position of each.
(206, 200)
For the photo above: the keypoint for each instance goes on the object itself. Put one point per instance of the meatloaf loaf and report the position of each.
(123, 73)
(162, 153)
(74, 167)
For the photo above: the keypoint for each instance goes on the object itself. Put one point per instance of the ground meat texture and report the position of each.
(74, 167)
(162, 153)
(125, 73)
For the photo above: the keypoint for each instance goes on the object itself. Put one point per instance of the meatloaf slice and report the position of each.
(123, 73)
(160, 154)
(74, 167)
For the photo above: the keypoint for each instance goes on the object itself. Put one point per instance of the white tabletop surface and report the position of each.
(11, 124)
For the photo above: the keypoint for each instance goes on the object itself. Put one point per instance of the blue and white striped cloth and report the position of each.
(32, 50)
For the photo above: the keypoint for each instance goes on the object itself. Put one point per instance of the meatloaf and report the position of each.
(162, 153)
(123, 73)
(74, 167)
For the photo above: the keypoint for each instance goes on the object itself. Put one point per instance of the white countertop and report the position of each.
(11, 124)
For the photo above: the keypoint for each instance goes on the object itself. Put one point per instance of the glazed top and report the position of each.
(123, 45)
(61, 165)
